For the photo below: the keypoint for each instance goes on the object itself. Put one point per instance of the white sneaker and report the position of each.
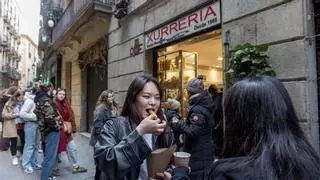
(37, 167)
(28, 170)
(15, 160)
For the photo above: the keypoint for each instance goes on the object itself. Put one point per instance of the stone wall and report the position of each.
(76, 92)
(282, 25)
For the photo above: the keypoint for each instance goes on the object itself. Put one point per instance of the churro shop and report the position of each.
(189, 46)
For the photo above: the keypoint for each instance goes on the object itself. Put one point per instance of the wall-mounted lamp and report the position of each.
(50, 23)
(44, 38)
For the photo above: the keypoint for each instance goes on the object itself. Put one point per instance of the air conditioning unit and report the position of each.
(120, 13)
(121, 4)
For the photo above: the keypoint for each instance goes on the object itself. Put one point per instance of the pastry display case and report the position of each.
(174, 70)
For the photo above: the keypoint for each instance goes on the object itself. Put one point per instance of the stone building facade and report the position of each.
(287, 26)
(29, 61)
(175, 40)
(9, 43)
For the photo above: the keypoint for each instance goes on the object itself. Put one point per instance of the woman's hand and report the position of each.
(152, 125)
(162, 176)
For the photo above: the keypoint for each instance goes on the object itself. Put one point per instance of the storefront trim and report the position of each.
(199, 20)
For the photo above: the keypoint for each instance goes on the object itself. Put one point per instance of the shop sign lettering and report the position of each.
(204, 18)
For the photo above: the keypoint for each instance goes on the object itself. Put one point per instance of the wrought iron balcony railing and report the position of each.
(73, 12)
(5, 68)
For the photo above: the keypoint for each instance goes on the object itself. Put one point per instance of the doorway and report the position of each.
(95, 85)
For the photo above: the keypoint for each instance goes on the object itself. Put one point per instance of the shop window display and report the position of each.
(180, 62)
(172, 68)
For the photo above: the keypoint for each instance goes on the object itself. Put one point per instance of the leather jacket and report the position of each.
(121, 150)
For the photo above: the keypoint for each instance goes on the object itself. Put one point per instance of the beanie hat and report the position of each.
(174, 104)
(195, 86)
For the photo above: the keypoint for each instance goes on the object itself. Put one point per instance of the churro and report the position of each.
(151, 112)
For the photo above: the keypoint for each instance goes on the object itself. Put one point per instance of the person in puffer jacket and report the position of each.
(49, 125)
(197, 129)
(32, 136)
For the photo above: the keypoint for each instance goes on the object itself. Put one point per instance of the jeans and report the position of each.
(72, 153)
(31, 147)
(50, 154)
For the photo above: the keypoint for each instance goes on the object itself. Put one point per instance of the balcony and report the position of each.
(5, 68)
(6, 18)
(13, 74)
(4, 43)
(77, 13)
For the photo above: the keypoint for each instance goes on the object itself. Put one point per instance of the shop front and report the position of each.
(185, 48)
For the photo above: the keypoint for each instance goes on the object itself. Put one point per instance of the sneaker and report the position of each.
(55, 172)
(52, 178)
(37, 167)
(78, 169)
(15, 160)
(28, 170)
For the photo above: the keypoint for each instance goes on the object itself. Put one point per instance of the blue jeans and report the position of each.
(50, 154)
(72, 153)
(31, 147)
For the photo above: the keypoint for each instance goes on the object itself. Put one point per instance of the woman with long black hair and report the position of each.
(106, 107)
(263, 137)
(126, 141)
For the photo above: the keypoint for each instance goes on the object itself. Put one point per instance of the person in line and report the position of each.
(9, 124)
(197, 129)
(4, 97)
(32, 135)
(106, 107)
(126, 141)
(263, 138)
(20, 124)
(49, 125)
(67, 131)
(173, 114)
(217, 132)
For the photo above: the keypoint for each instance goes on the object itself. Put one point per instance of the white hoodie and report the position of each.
(28, 107)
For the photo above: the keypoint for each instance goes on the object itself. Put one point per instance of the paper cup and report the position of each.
(181, 159)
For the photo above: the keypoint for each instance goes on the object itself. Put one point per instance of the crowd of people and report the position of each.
(38, 114)
(251, 132)
(260, 139)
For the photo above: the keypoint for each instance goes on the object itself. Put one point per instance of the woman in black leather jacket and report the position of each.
(126, 141)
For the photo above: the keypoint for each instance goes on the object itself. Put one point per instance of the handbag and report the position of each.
(67, 127)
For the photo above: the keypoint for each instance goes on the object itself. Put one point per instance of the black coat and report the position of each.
(229, 169)
(101, 115)
(198, 134)
(120, 149)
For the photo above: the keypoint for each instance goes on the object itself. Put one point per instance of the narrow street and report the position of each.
(85, 159)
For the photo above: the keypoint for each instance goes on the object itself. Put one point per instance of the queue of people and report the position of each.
(263, 139)
(36, 114)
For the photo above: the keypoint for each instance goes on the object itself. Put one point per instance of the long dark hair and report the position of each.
(103, 99)
(129, 108)
(261, 125)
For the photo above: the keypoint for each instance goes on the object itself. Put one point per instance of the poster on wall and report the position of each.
(199, 20)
